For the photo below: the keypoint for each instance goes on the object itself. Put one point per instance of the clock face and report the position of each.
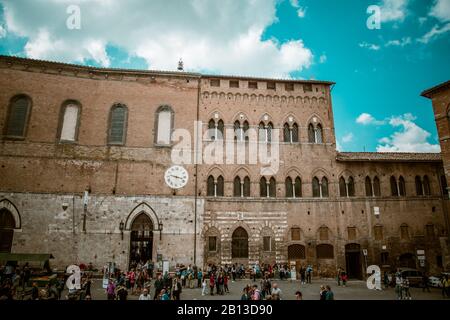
(176, 177)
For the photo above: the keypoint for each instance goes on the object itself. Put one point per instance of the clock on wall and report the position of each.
(176, 177)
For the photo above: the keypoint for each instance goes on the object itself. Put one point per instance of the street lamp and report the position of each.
(121, 228)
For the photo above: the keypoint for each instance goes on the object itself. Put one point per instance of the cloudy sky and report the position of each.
(379, 72)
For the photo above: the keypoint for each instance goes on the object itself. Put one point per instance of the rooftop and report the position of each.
(430, 92)
(55, 64)
(389, 156)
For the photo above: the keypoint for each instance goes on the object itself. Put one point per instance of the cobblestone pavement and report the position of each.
(355, 290)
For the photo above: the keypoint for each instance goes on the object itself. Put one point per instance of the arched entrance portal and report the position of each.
(296, 253)
(407, 260)
(7, 225)
(141, 240)
(353, 260)
(239, 244)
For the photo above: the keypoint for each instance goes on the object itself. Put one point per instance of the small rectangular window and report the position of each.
(271, 86)
(214, 83)
(289, 86)
(307, 87)
(212, 244)
(234, 84)
(253, 85)
(323, 233)
(267, 244)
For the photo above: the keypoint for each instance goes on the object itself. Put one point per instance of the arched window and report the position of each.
(70, 121)
(311, 134)
(220, 186)
(211, 187)
(18, 117)
(164, 125)
(376, 187)
(286, 133)
(324, 187)
(368, 186)
(319, 133)
(394, 188)
(262, 132)
(316, 187)
(272, 188)
(289, 188)
(220, 130)
(246, 127)
(269, 132)
(426, 186)
(237, 192)
(298, 188)
(212, 130)
(324, 251)
(237, 131)
(263, 187)
(342, 187)
(117, 124)
(295, 133)
(7, 225)
(351, 187)
(402, 186)
(239, 243)
(419, 190)
(246, 187)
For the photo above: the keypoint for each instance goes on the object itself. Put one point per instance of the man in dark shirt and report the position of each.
(159, 285)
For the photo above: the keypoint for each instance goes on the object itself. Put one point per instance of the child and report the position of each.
(204, 287)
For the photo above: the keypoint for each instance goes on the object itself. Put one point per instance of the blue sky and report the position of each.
(380, 73)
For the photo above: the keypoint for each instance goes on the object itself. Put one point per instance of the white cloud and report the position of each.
(399, 43)
(338, 146)
(441, 10)
(2, 32)
(323, 58)
(393, 10)
(366, 119)
(301, 12)
(369, 46)
(409, 137)
(435, 32)
(212, 36)
(294, 3)
(348, 138)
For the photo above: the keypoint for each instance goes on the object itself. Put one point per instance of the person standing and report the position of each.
(111, 290)
(204, 287)
(276, 292)
(398, 286)
(329, 295)
(122, 292)
(322, 293)
(225, 283)
(199, 278)
(405, 287)
(211, 283)
(344, 278)
(144, 295)
(425, 284)
(176, 289)
(309, 271)
(386, 280)
(233, 272)
(159, 285)
(256, 295)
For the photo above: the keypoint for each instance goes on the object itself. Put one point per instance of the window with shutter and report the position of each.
(351, 187)
(316, 187)
(325, 251)
(239, 243)
(18, 117)
(246, 187)
(212, 244)
(402, 186)
(376, 187)
(394, 188)
(298, 187)
(263, 187)
(295, 133)
(267, 244)
(323, 233)
(237, 187)
(324, 187)
(351, 231)
(342, 187)
(426, 186)
(70, 122)
(117, 129)
(210, 186)
(272, 188)
(311, 134)
(286, 133)
(220, 186)
(368, 186)
(289, 188)
(164, 125)
(295, 234)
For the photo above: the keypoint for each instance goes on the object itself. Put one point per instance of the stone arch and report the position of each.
(320, 173)
(346, 173)
(244, 226)
(318, 118)
(293, 172)
(216, 171)
(8, 205)
(143, 207)
(242, 172)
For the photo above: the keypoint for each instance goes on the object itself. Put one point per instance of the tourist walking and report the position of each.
(329, 295)
(176, 289)
(405, 289)
(111, 290)
(309, 271)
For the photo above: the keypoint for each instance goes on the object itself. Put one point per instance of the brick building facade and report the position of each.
(69, 129)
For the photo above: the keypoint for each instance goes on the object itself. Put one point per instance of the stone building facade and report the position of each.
(84, 151)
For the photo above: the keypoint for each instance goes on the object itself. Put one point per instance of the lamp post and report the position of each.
(121, 228)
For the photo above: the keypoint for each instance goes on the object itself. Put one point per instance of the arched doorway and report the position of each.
(353, 260)
(141, 240)
(407, 260)
(296, 253)
(239, 244)
(7, 225)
